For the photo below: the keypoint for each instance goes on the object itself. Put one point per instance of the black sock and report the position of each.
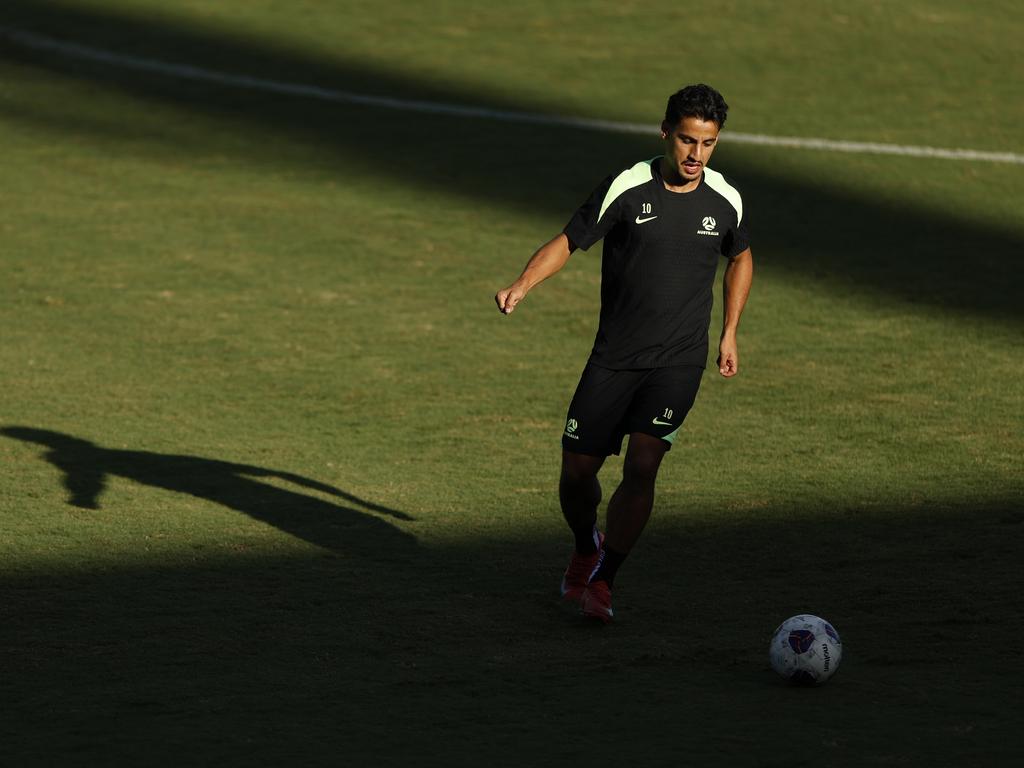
(586, 539)
(610, 562)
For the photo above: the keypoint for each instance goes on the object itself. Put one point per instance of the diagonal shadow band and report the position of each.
(86, 467)
(463, 646)
(842, 240)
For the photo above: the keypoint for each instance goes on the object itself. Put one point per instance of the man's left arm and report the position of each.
(739, 274)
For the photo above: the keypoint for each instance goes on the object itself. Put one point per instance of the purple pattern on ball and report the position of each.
(801, 640)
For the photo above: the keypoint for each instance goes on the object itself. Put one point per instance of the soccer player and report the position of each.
(666, 223)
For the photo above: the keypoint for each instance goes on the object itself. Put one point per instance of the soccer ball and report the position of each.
(805, 649)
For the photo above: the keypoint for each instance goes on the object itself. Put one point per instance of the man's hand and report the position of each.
(507, 298)
(548, 259)
(728, 357)
(738, 276)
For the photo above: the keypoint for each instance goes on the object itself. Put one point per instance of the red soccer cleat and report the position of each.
(596, 602)
(577, 575)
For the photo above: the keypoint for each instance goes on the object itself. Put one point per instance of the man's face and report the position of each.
(689, 144)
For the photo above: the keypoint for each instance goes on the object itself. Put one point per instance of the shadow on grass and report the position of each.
(86, 467)
(459, 654)
(817, 229)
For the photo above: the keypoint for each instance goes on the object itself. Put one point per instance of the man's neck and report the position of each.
(673, 181)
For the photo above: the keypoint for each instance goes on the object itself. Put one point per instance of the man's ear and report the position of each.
(665, 128)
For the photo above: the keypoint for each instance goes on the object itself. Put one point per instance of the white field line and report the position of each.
(187, 72)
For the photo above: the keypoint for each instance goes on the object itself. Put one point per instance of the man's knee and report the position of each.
(643, 459)
(579, 467)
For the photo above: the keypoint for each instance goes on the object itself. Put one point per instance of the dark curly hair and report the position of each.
(701, 101)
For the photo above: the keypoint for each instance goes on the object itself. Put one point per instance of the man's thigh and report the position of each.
(661, 402)
(595, 422)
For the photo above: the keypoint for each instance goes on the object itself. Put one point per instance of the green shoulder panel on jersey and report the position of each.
(717, 182)
(634, 177)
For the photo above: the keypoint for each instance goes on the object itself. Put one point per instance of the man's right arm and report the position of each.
(548, 259)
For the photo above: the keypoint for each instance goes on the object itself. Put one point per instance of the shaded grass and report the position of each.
(242, 656)
(875, 225)
(918, 72)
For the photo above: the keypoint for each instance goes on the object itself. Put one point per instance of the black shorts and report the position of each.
(611, 404)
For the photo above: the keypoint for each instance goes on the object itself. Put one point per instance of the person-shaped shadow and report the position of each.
(86, 467)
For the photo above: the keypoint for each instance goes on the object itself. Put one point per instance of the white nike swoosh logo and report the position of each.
(649, 218)
(661, 423)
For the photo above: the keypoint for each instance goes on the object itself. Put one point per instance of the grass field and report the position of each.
(277, 482)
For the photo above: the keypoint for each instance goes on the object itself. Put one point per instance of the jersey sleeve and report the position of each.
(587, 225)
(736, 240)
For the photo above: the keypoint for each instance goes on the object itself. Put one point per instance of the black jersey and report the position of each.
(661, 251)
